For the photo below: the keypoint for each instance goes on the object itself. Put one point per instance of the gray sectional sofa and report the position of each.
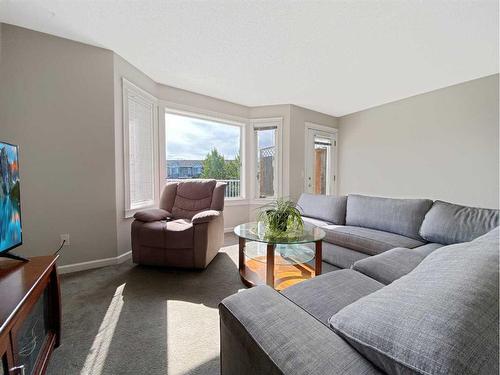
(359, 226)
(418, 295)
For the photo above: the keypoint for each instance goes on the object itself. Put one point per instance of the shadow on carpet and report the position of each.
(130, 319)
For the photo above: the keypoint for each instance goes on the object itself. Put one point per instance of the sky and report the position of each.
(11, 151)
(192, 139)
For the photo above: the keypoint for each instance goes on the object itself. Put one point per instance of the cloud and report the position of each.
(189, 138)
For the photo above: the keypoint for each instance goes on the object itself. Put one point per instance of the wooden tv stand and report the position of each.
(30, 315)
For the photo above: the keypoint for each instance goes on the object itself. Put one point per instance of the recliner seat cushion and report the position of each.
(365, 240)
(449, 223)
(330, 292)
(324, 207)
(400, 216)
(441, 318)
(192, 197)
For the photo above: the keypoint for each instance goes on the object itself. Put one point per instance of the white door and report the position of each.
(321, 145)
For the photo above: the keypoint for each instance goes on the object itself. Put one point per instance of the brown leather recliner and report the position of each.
(186, 231)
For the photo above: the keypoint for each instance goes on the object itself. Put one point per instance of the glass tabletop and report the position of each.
(256, 231)
(283, 253)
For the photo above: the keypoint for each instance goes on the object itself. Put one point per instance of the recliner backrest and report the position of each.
(185, 199)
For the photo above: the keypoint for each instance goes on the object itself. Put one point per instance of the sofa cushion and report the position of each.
(323, 207)
(192, 197)
(316, 222)
(330, 292)
(264, 333)
(389, 266)
(401, 216)
(449, 223)
(340, 256)
(427, 248)
(368, 241)
(441, 318)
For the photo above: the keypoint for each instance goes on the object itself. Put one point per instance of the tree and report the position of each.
(214, 166)
(232, 168)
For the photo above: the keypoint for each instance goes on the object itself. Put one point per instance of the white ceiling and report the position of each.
(336, 57)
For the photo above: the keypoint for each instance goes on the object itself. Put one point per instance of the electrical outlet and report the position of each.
(65, 237)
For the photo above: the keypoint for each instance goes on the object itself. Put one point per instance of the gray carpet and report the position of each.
(129, 319)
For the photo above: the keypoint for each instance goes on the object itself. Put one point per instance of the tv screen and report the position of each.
(10, 198)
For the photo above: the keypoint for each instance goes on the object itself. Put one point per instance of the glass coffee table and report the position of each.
(278, 262)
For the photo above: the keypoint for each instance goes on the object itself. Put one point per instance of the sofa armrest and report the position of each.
(262, 332)
(205, 216)
(389, 265)
(152, 214)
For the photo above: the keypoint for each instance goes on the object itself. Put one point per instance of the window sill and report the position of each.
(228, 202)
(261, 201)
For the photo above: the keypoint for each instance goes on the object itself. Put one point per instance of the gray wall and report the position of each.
(56, 103)
(61, 102)
(439, 145)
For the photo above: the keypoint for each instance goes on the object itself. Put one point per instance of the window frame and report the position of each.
(129, 89)
(196, 113)
(278, 176)
(334, 134)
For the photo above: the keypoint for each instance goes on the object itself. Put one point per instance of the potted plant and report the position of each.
(281, 218)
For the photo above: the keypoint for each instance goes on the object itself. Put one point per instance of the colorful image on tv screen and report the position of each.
(10, 199)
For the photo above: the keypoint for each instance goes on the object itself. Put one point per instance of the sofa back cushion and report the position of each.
(400, 216)
(441, 318)
(192, 197)
(449, 223)
(323, 207)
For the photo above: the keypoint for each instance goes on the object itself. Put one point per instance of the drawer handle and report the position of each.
(20, 369)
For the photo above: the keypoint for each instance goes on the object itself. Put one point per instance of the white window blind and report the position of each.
(140, 137)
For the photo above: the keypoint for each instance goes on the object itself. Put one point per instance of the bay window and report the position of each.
(186, 145)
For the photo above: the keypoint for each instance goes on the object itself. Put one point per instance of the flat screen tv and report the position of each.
(11, 234)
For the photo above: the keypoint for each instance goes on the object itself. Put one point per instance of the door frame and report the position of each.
(333, 133)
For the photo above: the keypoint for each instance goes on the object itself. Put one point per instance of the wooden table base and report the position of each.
(285, 275)
(273, 270)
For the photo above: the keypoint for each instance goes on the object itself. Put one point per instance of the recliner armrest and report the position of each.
(262, 332)
(152, 214)
(205, 216)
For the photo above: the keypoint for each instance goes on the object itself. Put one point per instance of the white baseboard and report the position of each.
(94, 264)
(98, 263)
